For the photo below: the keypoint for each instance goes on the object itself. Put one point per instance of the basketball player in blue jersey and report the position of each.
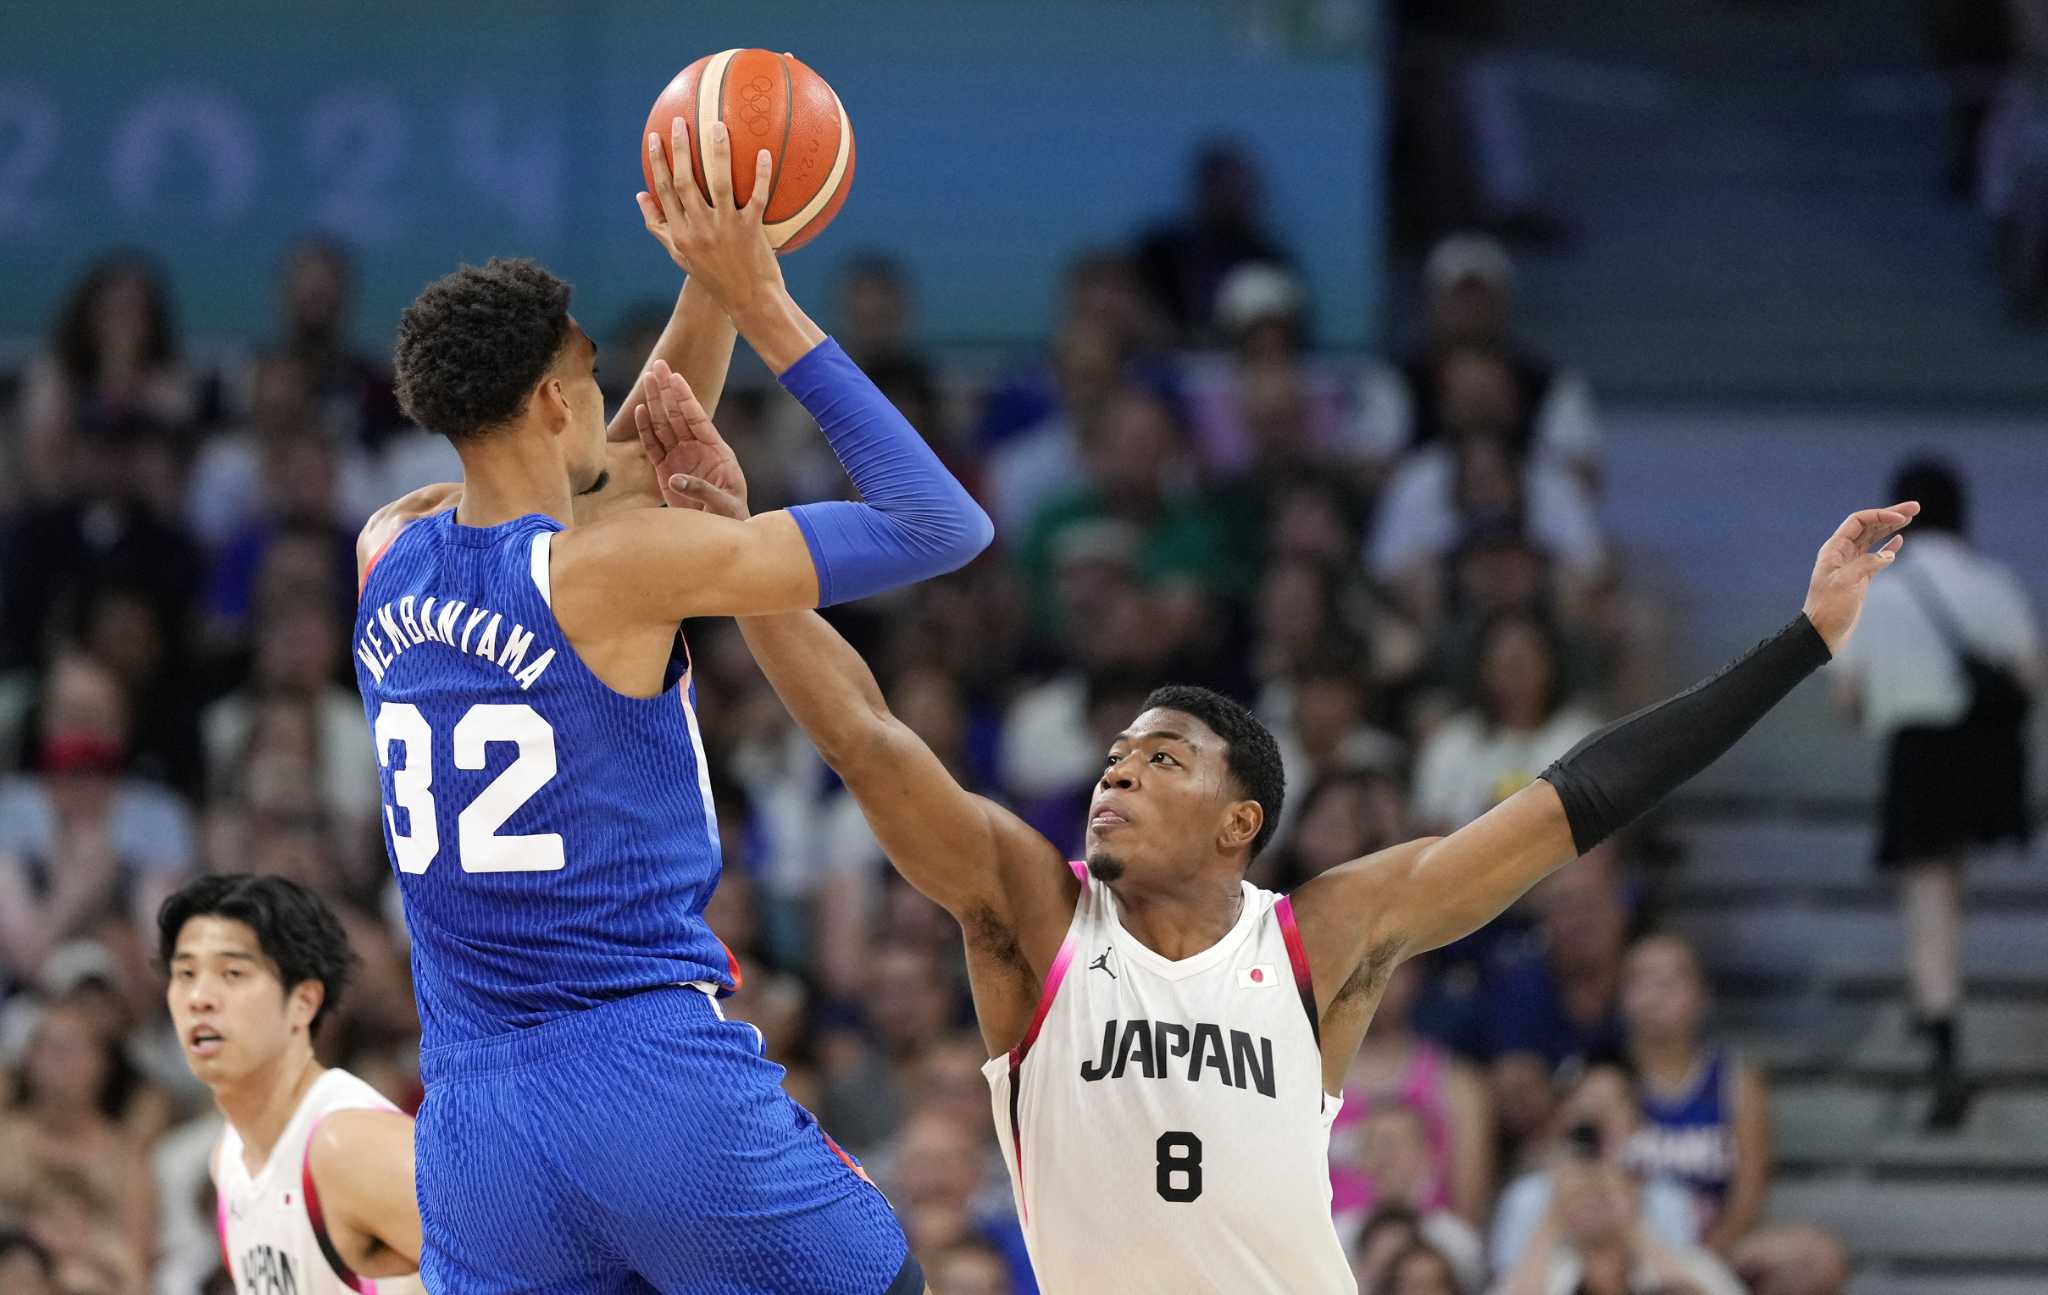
(1147, 1153)
(592, 1124)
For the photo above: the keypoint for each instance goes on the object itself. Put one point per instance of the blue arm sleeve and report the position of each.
(914, 520)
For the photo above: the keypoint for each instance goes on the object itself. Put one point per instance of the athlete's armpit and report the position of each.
(361, 1163)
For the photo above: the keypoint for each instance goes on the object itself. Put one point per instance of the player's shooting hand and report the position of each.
(719, 242)
(1861, 547)
(692, 463)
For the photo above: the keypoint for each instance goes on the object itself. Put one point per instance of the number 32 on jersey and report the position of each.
(400, 725)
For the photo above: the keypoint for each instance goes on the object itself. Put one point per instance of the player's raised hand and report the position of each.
(1861, 547)
(692, 463)
(719, 242)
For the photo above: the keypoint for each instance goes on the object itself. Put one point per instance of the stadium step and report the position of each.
(1975, 1223)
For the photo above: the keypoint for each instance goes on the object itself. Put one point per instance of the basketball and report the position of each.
(772, 101)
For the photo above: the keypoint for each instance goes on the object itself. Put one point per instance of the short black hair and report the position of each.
(1938, 488)
(475, 342)
(13, 1240)
(1250, 752)
(294, 927)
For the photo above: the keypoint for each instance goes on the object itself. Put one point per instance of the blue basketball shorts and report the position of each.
(645, 1145)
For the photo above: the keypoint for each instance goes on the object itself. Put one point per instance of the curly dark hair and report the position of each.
(73, 340)
(294, 927)
(1250, 752)
(474, 343)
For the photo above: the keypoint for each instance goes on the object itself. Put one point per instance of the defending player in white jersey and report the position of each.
(315, 1169)
(1166, 1039)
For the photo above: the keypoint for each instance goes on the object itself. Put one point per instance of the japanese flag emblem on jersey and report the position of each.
(1257, 976)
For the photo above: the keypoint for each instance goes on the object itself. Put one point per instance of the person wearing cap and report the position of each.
(1265, 405)
(80, 843)
(1468, 294)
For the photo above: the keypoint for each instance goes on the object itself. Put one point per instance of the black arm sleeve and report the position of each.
(1607, 781)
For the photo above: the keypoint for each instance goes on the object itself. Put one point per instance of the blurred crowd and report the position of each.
(1399, 561)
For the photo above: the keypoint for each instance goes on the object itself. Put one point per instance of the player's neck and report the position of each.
(1180, 923)
(261, 1103)
(509, 474)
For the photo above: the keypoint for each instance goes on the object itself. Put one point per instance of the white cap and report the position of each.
(1468, 256)
(73, 963)
(1256, 290)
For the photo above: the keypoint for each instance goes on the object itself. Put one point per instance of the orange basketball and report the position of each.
(771, 101)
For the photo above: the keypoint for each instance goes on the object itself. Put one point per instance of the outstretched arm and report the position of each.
(1006, 885)
(362, 1165)
(1424, 894)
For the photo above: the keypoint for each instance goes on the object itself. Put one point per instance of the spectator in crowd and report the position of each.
(1346, 814)
(908, 1003)
(1519, 722)
(1477, 474)
(1706, 1114)
(1185, 262)
(316, 307)
(243, 474)
(1468, 291)
(1422, 1269)
(76, 1159)
(1394, 1153)
(107, 529)
(1792, 1259)
(299, 652)
(1099, 287)
(877, 309)
(1264, 404)
(298, 496)
(81, 845)
(1555, 1001)
(1583, 1210)
(1040, 460)
(114, 353)
(1943, 674)
(118, 625)
(938, 1172)
(1442, 1109)
(971, 1267)
(1138, 470)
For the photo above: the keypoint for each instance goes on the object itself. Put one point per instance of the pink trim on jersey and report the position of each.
(220, 1223)
(348, 1275)
(1053, 976)
(1297, 957)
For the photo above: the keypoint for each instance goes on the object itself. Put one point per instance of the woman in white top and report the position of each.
(1518, 723)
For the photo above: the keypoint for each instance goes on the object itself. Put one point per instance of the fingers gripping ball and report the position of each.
(771, 101)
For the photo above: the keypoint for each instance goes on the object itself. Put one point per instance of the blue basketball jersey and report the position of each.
(1690, 1136)
(554, 840)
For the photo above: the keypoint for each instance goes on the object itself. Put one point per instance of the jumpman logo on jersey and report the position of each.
(1102, 963)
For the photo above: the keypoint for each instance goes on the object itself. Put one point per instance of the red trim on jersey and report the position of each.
(1297, 956)
(363, 581)
(846, 1159)
(348, 1275)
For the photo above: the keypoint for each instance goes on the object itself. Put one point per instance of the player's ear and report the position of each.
(1241, 824)
(302, 1003)
(553, 401)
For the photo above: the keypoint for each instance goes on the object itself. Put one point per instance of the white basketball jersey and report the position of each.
(1164, 1123)
(270, 1227)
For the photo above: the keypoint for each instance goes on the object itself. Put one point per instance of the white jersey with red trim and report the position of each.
(1165, 1123)
(271, 1232)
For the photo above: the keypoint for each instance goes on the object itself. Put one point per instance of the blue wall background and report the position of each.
(996, 137)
